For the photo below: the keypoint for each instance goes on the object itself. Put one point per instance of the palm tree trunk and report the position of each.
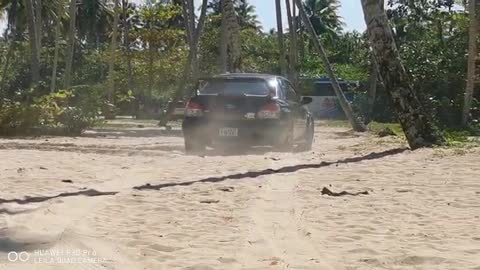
(192, 56)
(38, 24)
(151, 51)
(372, 92)
(70, 44)
(472, 55)
(35, 60)
(419, 129)
(223, 41)
(196, 37)
(356, 124)
(11, 49)
(126, 43)
(233, 37)
(58, 22)
(293, 43)
(281, 41)
(113, 49)
(5, 67)
(373, 83)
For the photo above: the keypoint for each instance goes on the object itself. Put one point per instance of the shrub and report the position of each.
(65, 112)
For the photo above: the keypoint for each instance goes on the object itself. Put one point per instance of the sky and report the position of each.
(351, 12)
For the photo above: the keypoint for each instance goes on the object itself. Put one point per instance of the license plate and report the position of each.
(228, 132)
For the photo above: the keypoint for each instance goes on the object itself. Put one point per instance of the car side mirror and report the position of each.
(306, 100)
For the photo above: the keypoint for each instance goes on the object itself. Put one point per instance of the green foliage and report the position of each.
(67, 112)
(432, 39)
(431, 36)
(377, 127)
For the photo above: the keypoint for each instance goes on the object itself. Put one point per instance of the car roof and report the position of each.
(246, 76)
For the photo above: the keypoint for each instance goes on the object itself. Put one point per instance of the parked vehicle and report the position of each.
(324, 101)
(252, 109)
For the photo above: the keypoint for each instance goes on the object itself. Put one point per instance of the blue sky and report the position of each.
(351, 11)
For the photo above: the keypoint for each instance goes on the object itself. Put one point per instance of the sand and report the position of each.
(422, 210)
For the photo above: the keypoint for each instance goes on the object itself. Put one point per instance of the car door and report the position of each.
(298, 111)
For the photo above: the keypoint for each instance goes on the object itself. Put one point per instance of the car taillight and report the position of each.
(270, 110)
(193, 109)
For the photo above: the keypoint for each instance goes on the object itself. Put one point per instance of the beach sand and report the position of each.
(422, 210)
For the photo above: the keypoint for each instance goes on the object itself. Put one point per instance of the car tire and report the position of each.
(194, 147)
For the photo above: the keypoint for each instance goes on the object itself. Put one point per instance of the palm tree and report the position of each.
(70, 43)
(58, 25)
(356, 124)
(324, 16)
(113, 48)
(34, 52)
(293, 58)
(246, 13)
(194, 33)
(372, 83)
(39, 26)
(231, 37)
(127, 18)
(472, 56)
(281, 43)
(247, 17)
(419, 128)
(13, 31)
(94, 20)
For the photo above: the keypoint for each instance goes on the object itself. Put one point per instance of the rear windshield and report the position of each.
(236, 86)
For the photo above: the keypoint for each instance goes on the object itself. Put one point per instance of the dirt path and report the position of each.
(259, 210)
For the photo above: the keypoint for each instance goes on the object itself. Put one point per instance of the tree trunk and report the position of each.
(281, 41)
(223, 67)
(11, 47)
(70, 44)
(35, 60)
(419, 129)
(356, 124)
(9, 56)
(472, 55)
(372, 92)
(58, 22)
(151, 51)
(233, 36)
(196, 37)
(126, 43)
(373, 83)
(113, 49)
(39, 29)
(188, 74)
(301, 38)
(293, 73)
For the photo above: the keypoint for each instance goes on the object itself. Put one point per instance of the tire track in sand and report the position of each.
(276, 236)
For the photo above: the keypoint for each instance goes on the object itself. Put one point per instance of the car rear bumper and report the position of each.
(252, 132)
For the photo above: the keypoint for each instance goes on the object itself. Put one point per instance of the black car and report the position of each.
(252, 109)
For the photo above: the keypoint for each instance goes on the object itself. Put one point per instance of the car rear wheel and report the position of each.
(194, 146)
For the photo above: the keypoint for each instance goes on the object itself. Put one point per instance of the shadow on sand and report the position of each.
(37, 199)
(238, 176)
(138, 132)
(287, 169)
